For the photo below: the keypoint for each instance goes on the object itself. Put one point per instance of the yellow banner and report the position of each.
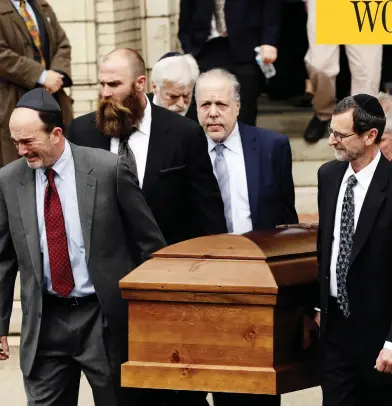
(353, 22)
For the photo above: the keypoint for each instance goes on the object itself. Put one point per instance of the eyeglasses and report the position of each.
(337, 135)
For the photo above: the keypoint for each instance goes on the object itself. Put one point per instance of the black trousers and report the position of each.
(342, 382)
(216, 54)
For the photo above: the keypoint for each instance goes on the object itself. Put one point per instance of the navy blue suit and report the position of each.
(268, 165)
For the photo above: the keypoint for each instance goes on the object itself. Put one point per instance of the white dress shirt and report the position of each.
(138, 143)
(64, 179)
(364, 178)
(29, 9)
(234, 155)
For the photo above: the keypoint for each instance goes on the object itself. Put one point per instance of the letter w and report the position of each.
(368, 13)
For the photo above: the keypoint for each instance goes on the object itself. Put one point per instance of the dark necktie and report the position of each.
(125, 151)
(346, 242)
(56, 237)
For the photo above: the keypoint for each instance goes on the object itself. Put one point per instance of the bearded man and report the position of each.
(354, 254)
(167, 152)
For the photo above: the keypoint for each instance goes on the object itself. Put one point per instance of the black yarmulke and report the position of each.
(169, 55)
(39, 99)
(370, 104)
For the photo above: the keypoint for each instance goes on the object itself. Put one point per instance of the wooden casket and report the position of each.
(224, 313)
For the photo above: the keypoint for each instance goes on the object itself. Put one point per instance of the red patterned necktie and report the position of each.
(56, 237)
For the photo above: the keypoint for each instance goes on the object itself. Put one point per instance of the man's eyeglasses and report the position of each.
(338, 136)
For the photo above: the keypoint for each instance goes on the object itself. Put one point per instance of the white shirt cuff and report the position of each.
(42, 78)
(388, 345)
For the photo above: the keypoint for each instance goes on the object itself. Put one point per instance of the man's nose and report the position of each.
(106, 91)
(213, 110)
(332, 140)
(180, 102)
(22, 150)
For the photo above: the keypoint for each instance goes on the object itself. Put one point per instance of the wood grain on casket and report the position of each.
(201, 333)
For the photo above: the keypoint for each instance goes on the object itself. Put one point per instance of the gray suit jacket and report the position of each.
(118, 228)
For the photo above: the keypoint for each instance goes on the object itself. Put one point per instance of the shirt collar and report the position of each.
(232, 142)
(365, 175)
(62, 164)
(154, 99)
(145, 125)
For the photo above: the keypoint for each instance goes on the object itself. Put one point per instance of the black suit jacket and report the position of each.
(250, 23)
(369, 278)
(268, 166)
(179, 184)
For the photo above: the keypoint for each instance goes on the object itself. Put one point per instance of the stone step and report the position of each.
(306, 200)
(291, 124)
(303, 151)
(305, 172)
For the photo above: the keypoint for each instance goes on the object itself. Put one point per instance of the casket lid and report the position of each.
(288, 241)
(229, 264)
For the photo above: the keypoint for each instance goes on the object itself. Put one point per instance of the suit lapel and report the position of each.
(252, 167)
(156, 149)
(28, 212)
(16, 19)
(373, 201)
(85, 189)
(330, 197)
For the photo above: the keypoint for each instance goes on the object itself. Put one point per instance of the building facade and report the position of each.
(96, 27)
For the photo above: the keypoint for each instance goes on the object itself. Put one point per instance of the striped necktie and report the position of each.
(223, 178)
(32, 28)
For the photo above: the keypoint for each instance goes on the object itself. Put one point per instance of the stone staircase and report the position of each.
(306, 161)
(307, 158)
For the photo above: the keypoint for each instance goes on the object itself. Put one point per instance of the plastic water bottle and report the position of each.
(267, 68)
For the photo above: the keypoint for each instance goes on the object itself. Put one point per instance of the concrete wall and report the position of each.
(96, 27)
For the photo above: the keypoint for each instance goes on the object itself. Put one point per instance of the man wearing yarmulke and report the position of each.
(355, 259)
(74, 222)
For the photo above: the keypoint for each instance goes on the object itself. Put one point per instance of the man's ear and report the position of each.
(371, 137)
(140, 83)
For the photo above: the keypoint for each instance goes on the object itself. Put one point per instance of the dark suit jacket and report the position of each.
(369, 277)
(116, 222)
(250, 23)
(179, 184)
(270, 182)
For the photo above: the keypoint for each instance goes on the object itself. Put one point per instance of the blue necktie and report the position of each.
(223, 178)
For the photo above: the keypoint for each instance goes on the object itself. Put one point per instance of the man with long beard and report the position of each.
(167, 152)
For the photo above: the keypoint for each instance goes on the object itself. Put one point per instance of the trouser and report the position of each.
(75, 339)
(322, 62)
(342, 383)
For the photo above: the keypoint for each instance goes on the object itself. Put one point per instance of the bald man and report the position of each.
(168, 153)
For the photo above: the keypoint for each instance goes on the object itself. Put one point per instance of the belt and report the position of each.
(70, 301)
